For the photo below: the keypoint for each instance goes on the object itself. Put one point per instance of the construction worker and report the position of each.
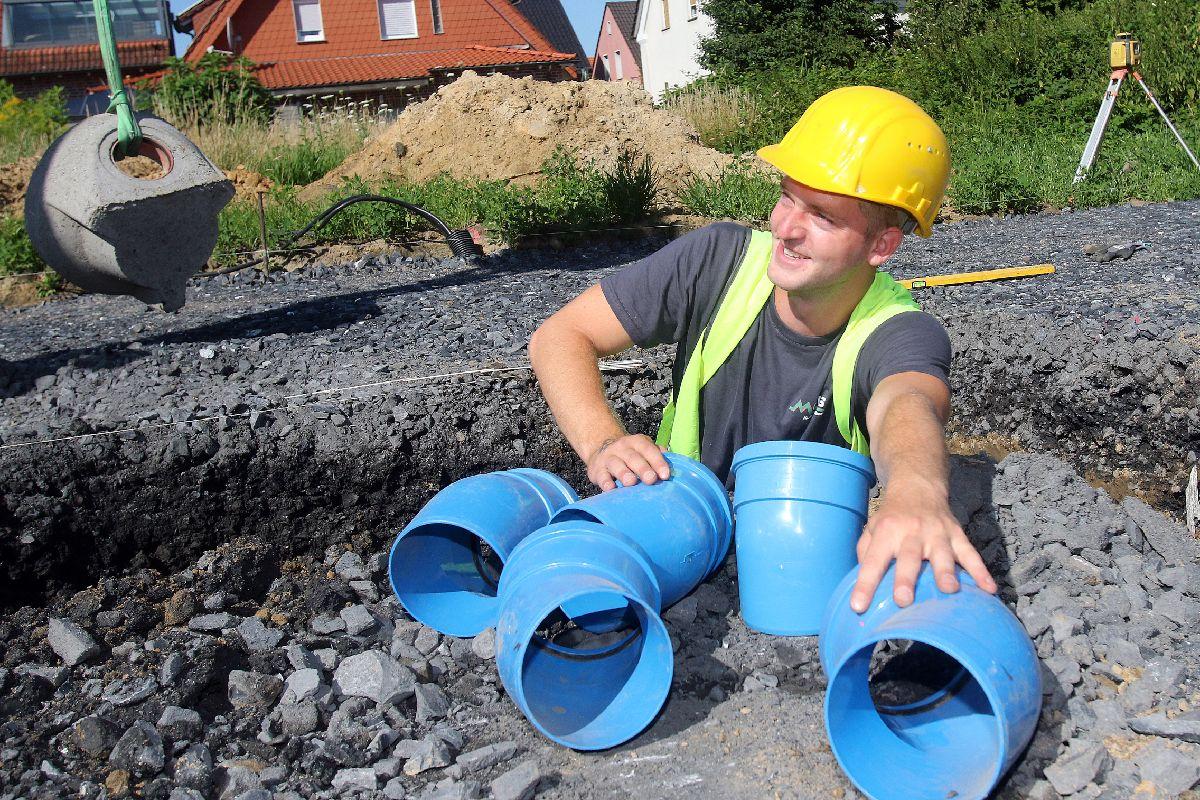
(803, 339)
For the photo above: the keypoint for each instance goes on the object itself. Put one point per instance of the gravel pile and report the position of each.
(199, 609)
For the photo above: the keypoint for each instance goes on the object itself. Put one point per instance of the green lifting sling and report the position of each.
(747, 294)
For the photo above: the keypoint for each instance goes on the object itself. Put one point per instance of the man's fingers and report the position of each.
(941, 558)
(908, 566)
(638, 465)
(870, 572)
(864, 545)
(972, 562)
(654, 457)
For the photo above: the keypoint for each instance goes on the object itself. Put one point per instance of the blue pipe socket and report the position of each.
(580, 645)
(445, 565)
(800, 507)
(963, 737)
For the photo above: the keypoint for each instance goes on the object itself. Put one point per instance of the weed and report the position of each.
(739, 192)
(17, 255)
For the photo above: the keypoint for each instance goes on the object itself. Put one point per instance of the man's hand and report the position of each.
(913, 525)
(624, 460)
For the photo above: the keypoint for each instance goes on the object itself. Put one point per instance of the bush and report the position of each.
(27, 126)
(737, 193)
(17, 255)
(216, 88)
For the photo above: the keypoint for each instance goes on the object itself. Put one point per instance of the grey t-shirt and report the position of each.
(776, 384)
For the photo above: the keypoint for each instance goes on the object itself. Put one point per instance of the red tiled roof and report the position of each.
(79, 58)
(351, 70)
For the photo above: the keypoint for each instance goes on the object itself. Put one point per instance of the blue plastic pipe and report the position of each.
(800, 507)
(601, 574)
(961, 739)
(438, 567)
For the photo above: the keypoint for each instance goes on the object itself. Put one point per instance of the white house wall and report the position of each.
(670, 57)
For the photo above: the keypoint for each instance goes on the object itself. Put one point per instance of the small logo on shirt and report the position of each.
(807, 410)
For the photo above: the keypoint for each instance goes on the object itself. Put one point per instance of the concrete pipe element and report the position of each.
(800, 507)
(580, 644)
(445, 565)
(962, 737)
(108, 232)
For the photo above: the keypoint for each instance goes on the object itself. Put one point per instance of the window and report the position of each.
(435, 8)
(666, 6)
(693, 9)
(309, 27)
(607, 74)
(608, 27)
(620, 70)
(68, 22)
(398, 19)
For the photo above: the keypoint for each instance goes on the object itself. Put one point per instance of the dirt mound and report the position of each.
(502, 128)
(14, 179)
(246, 182)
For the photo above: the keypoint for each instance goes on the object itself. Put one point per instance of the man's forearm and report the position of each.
(569, 376)
(910, 448)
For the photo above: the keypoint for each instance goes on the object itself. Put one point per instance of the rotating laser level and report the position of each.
(1124, 54)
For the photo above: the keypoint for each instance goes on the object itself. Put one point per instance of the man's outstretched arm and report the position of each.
(913, 523)
(564, 352)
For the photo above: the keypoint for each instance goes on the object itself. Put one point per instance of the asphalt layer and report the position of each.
(134, 560)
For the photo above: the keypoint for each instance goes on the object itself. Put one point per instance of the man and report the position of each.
(792, 335)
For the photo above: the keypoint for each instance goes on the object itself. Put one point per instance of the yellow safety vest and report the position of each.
(747, 294)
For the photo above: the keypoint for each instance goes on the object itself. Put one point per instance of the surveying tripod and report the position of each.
(1125, 53)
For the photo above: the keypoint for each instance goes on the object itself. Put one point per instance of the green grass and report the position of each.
(569, 197)
(737, 193)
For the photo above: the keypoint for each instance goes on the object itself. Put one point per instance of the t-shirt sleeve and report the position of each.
(655, 298)
(909, 342)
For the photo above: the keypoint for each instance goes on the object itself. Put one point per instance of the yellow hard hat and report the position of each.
(869, 143)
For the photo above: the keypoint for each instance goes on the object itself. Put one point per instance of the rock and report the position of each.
(1169, 540)
(1167, 768)
(394, 789)
(423, 755)
(684, 612)
(355, 778)
(299, 718)
(519, 783)
(376, 676)
(253, 689)
(301, 685)
(350, 567)
(194, 768)
(484, 645)
(179, 608)
(170, 669)
(72, 643)
(427, 641)
(366, 591)
(96, 735)
(1178, 608)
(216, 622)
(432, 702)
(180, 724)
(301, 657)
(238, 778)
(257, 636)
(358, 620)
(139, 751)
(127, 692)
(487, 756)
(1080, 764)
(1185, 726)
(327, 624)
(117, 782)
(1028, 567)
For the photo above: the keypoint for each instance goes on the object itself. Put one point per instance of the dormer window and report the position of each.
(309, 27)
(666, 9)
(435, 8)
(71, 22)
(398, 19)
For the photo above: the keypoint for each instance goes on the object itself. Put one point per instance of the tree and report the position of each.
(216, 87)
(764, 34)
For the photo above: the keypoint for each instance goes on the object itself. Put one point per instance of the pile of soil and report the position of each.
(502, 128)
(14, 179)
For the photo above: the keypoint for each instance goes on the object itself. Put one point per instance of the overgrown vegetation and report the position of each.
(27, 126)
(570, 197)
(1015, 85)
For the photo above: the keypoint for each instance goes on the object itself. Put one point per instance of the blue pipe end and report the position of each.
(445, 566)
(962, 737)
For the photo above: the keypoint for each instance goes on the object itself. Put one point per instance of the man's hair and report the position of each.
(880, 217)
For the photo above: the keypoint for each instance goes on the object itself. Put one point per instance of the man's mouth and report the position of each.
(792, 255)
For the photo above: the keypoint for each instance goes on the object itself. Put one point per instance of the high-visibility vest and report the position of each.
(745, 298)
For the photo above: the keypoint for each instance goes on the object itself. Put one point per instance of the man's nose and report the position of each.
(793, 224)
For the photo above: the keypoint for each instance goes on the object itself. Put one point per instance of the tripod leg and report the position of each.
(1167, 120)
(1093, 142)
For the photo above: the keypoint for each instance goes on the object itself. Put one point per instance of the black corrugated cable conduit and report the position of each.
(461, 243)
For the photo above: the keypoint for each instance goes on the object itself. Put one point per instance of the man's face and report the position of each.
(822, 240)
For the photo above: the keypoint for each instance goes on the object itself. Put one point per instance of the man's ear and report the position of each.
(887, 241)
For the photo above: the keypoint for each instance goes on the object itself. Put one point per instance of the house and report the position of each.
(618, 57)
(386, 51)
(669, 33)
(45, 43)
